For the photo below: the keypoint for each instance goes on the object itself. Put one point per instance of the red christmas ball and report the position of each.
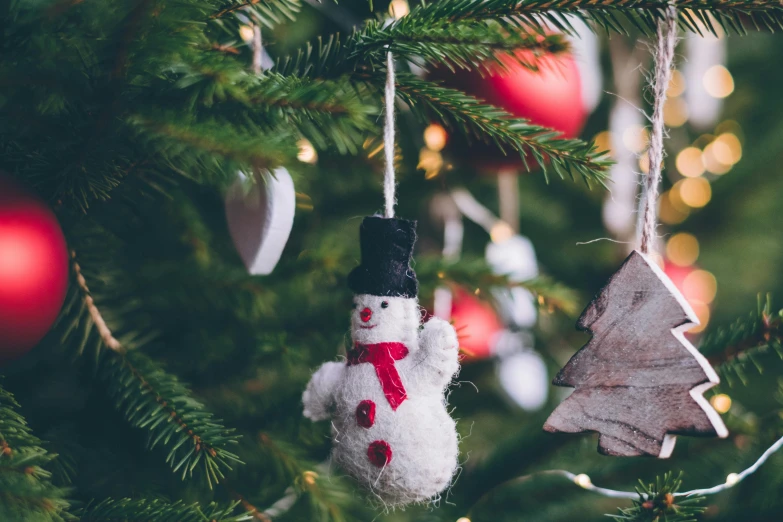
(33, 269)
(550, 97)
(476, 322)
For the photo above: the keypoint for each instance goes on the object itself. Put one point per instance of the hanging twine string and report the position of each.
(388, 140)
(664, 57)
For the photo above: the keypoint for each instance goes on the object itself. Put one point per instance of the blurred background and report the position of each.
(167, 276)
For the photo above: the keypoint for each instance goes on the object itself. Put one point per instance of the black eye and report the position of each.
(354, 305)
(385, 304)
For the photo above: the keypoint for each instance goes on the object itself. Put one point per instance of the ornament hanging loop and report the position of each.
(664, 58)
(388, 140)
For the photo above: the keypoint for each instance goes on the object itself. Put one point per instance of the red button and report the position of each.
(379, 453)
(365, 414)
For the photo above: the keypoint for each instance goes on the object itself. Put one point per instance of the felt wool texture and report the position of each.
(386, 246)
(403, 455)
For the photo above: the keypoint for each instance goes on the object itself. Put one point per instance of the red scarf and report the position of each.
(382, 357)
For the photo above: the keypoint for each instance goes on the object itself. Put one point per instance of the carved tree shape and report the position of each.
(639, 381)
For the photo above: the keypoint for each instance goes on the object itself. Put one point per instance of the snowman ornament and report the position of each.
(390, 427)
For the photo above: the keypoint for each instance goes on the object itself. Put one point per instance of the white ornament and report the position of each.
(514, 257)
(521, 371)
(260, 217)
(390, 425)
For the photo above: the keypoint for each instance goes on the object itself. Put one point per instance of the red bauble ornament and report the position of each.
(698, 287)
(550, 97)
(476, 322)
(33, 269)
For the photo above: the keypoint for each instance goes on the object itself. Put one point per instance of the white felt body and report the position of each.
(260, 217)
(421, 433)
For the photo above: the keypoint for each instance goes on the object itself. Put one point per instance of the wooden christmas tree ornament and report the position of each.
(639, 381)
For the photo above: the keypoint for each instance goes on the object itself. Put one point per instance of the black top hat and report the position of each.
(387, 246)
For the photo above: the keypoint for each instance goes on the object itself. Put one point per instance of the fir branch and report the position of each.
(694, 15)
(149, 398)
(567, 157)
(158, 511)
(266, 12)
(185, 144)
(657, 503)
(26, 491)
(732, 348)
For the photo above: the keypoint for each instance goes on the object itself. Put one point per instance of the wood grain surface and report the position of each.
(638, 382)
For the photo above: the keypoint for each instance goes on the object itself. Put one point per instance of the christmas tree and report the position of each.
(158, 380)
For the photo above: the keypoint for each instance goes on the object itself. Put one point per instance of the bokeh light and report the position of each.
(689, 162)
(435, 137)
(307, 153)
(682, 249)
(695, 192)
(675, 112)
(718, 81)
(721, 402)
(700, 285)
(670, 214)
(399, 8)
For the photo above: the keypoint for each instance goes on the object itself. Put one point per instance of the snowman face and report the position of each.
(376, 319)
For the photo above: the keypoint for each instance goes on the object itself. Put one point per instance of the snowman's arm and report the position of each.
(438, 355)
(318, 397)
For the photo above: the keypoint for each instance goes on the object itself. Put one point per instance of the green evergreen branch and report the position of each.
(158, 511)
(732, 349)
(694, 15)
(153, 400)
(266, 12)
(26, 490)
(657, 503)
(567, 157)
(149, 398)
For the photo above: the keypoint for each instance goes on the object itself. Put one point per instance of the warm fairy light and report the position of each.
(399, 8)
(728, 148)
(676, 200)
(463, 519)
(309, 477)
(430, 162)
(670, 214)
(676, 84)
(710, 159)
(635, 138)
(700, 285)
(682, 249)
(500, 231)
(731, 479)
(603, 142)
(307, 153)
(718, 81)
(246, 33)
(689, 162)
(675, 112)
(583, 480)
(702, 311)
(721, 402)
(435, 137)
(695, 192)
(644, 163)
